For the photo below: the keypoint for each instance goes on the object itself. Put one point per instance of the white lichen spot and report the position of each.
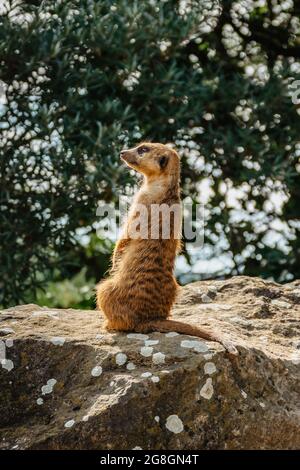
(200, 347)
(49, 387)
(146, 351)
(158, 358)
(96, 371)
(244, 394)
(85, 418)
(7, 364)
(9, 343)
(58, 340)
(262, 404)
(146, 374)
(171, 334)
(188, 343)
(155, 379)
(208, 357)
(207, 390)
(151, 342)
(112, 383)
(2, 350)
(40, 401)
(174, 424)
(46, 389)
(70, 423)
(137, 336)
(206, 299)
(137, 448)
(197, 346)
(6, 331)
(121, 359)
(51, 382)
(209, 368)
(157, 419)
(99, 336)
(130, 366)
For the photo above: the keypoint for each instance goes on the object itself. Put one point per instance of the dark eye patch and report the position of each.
(163, 161)
(142, 150)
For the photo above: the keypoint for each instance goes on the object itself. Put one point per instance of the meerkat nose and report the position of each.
(123, 153)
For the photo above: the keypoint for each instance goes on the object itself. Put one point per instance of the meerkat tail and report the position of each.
(165, 326)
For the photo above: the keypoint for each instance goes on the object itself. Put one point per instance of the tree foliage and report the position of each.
(84, 78)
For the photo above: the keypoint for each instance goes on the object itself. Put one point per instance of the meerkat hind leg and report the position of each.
(165, 326)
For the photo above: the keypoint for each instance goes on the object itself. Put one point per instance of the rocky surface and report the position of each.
(68, 384)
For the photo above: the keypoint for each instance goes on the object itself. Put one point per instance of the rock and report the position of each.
(6, 331)
(281, 303)
(206, 299)
(66, 383)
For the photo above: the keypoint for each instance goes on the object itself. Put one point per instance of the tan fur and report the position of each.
(141, 289)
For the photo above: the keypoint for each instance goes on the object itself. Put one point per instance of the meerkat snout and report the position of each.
(129, 157)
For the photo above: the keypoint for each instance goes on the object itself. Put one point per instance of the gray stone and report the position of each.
(247, 402)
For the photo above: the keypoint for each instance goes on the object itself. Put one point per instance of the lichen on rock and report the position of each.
(66, 383)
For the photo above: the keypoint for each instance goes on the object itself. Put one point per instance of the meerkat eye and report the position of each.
(142, 150)
(163, 161)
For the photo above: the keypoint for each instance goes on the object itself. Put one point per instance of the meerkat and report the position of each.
(139, 293)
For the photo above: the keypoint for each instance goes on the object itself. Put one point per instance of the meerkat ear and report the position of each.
(163, 161)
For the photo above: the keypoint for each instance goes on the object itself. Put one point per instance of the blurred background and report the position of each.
(82, 79)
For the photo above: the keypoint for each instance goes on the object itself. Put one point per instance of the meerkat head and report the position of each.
(152, 160)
